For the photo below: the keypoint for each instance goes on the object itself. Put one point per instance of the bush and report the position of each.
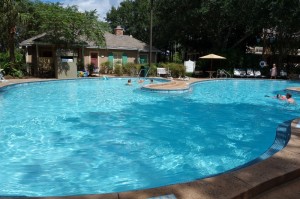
(80, 65)
(104, 67)
(176, 69)
(189, 74)
(91, 68)
(152, 70)
(131, 68)
(16, 69)
(118, 70)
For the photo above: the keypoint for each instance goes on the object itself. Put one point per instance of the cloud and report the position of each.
(102, 6)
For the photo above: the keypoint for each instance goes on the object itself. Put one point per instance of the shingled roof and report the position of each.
(126, 42)
(112, 41)
(32, 40)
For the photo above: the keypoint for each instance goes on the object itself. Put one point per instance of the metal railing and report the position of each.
(145, 72)
(223, 73)
(1, 74)
(139, 73)
(2, 79)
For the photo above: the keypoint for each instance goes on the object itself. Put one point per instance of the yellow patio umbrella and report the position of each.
(211, 57)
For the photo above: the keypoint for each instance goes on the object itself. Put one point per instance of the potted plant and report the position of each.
(91, 68)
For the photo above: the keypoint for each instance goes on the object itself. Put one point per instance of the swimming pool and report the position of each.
(90, 136)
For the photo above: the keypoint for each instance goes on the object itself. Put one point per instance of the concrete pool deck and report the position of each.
(275, 177)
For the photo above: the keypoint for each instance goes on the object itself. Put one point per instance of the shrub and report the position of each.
(152, 70)
(91, 68)
(80, 65)
(131, 68)
(14, 69)
(104, 67)
(118, 70)
(175, 68)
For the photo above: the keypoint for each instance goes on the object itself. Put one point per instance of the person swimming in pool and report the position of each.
(128, 82)
(287, 97)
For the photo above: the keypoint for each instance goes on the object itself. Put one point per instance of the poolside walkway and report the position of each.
(289, 190)
(276, 177)
(175, 84)
(17, 81)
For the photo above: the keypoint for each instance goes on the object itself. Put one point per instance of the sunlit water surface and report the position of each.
(99, 136)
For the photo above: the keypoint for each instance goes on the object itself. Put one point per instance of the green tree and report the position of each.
(209, 25)
(133, 16)
(12, 13)
(284, 15)
(68, 25)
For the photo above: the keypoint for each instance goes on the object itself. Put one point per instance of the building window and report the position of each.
(143, 59)
(117, 58)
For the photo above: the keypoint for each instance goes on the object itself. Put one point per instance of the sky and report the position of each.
(102, 6)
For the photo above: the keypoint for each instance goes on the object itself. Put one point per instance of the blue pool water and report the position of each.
(92, 136)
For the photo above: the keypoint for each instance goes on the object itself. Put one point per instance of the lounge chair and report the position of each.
(257, 73)
(239, 72)
(198, 73)
(185, 78)
(164, 72)
(250, 72)
(161, 71)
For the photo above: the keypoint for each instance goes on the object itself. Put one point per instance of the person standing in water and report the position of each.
(274, 72)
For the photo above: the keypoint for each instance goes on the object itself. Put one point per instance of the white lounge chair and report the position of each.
(185, 78)
(163, 71)
(250, 72)
(257, 73)
(239, 72)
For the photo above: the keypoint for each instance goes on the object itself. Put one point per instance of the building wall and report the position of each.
(45, 62)
(103, 54)
(66, 64)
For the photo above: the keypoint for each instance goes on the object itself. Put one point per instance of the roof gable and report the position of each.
(112, 41)
(125, 42)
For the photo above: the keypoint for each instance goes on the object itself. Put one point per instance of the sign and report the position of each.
(189, 66)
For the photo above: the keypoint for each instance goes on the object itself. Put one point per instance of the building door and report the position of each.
(94, 59)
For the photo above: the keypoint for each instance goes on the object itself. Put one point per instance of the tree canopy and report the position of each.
(209, 25)
(201, 26)
(22, 19)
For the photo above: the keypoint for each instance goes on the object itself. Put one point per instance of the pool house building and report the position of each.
(46, 59)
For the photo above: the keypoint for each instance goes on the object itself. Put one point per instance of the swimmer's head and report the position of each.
(288, 95)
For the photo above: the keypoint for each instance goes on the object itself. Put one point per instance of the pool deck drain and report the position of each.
(249, 182)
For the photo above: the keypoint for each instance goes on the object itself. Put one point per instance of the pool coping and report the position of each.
(246, 182)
